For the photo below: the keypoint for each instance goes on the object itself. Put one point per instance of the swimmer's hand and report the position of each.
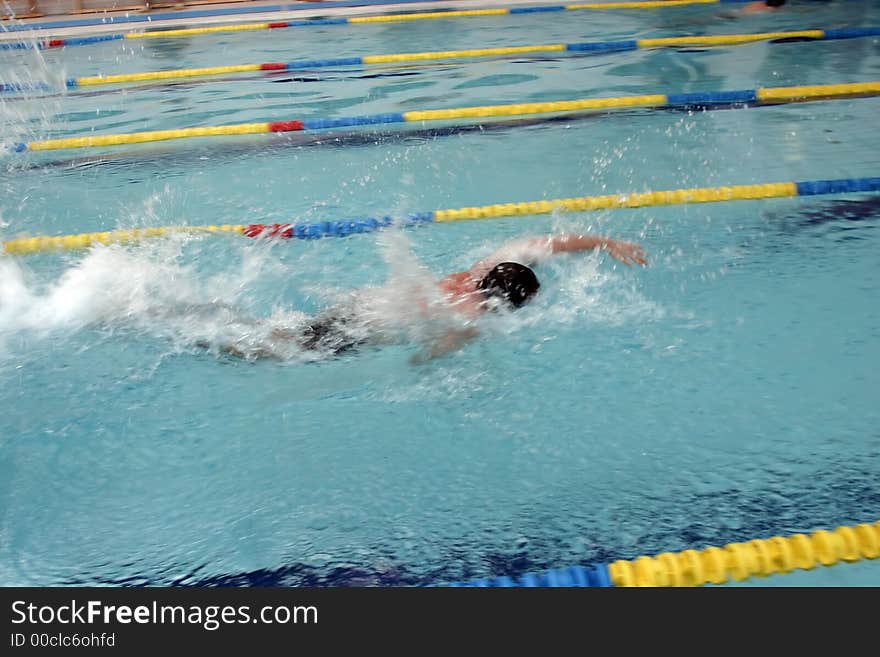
(450, 341)
(627, 252)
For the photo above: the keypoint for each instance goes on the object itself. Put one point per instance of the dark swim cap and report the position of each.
(511, 281)
(775, 3)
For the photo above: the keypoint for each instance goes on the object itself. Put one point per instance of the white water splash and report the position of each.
(146, 288)
(29, 114)
(156, 289)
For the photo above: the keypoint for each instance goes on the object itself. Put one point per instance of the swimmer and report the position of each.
(762, 6)
(505, 279)
(750, 8)
(502, 280)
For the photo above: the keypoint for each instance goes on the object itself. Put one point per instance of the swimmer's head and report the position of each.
(510, 282)
(775, 3)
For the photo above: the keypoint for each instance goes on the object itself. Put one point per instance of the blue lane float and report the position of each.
(573, 576)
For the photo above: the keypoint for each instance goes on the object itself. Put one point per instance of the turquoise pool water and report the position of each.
(727, 392)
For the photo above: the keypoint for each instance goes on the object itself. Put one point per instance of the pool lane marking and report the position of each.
(342, 228)
(697, 100)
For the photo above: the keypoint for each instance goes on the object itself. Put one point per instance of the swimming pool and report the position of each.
(726, 392)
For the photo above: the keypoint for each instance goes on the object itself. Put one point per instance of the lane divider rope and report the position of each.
(697, 100)
(355, 20)
(342, 228)
(596, 46)
(712, 565)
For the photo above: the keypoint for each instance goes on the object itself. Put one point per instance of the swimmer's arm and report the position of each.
(627, 252)
(531, 251)
(450, 341)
